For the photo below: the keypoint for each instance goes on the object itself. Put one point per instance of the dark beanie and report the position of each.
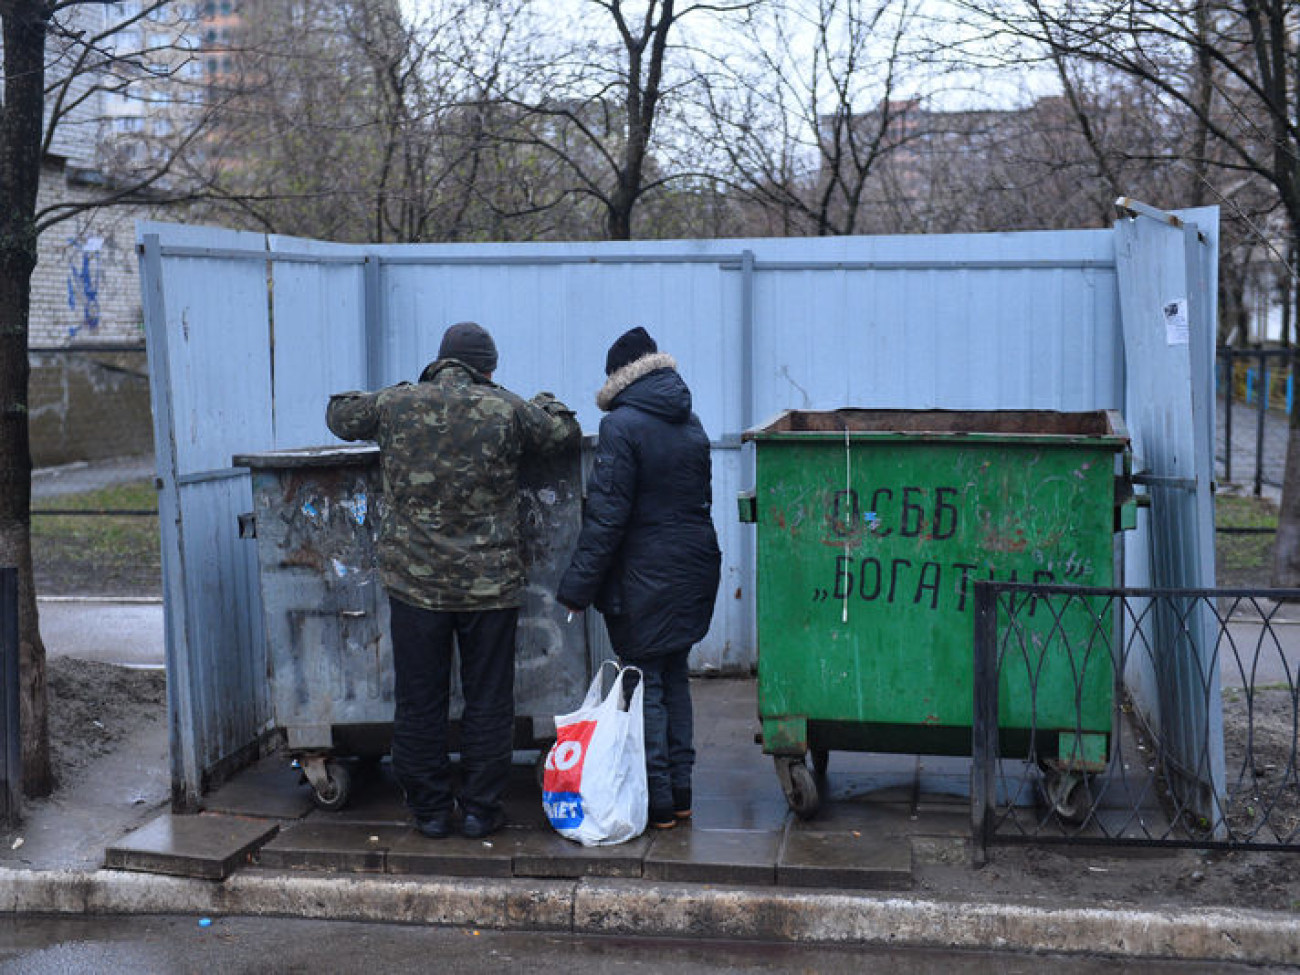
(627, 348)
(471, 344)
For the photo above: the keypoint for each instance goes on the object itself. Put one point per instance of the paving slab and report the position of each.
(750, 812)
(208, 847)
(691, 854)
(455, 856)
(271, 789)
(549, 854)
(845, 859)
(331, 847)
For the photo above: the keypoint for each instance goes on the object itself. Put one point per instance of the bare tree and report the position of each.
(803, 111)
(600, 105)
(348, 121)
(1231, 71)
(60, 57)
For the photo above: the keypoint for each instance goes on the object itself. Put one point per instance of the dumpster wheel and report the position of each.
(331, 782)
(799, 786)
(1069, 795)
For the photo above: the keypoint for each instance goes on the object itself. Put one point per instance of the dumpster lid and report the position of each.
(333, 455)
(992, 425)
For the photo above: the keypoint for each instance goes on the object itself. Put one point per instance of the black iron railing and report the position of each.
(1154, 717)
(1260, 378)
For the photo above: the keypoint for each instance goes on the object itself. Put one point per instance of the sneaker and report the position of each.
(435, 827)
(476, 827)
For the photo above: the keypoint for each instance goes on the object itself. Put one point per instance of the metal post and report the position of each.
(1261, 406)
(1230, 387)
(11, 777)
(374, 332)
(984, 726)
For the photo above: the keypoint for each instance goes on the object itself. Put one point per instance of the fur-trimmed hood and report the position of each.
(621, 379)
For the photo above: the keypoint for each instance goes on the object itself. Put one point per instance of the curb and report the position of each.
(647, 910)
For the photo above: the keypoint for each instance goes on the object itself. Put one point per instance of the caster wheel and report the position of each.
(799, 786)
(1069, 796)
(334, 794)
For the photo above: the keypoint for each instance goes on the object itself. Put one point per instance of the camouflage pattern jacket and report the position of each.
(450, 448)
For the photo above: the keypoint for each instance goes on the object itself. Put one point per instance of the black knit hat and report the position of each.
(627, 348)
(471, 344)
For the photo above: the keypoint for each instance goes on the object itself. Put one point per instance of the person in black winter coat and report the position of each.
(648, 556)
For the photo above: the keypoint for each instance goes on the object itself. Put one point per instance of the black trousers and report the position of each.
(422, 653)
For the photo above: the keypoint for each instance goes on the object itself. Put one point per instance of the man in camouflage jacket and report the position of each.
(450, 447)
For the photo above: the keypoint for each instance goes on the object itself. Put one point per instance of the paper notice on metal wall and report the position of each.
(1176, 322)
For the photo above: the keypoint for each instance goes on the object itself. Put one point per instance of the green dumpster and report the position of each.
(873, 526)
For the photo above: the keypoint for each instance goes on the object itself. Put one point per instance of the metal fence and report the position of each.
(1261, 381)
(1126, 784)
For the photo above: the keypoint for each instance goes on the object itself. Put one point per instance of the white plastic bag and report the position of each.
(593, 784)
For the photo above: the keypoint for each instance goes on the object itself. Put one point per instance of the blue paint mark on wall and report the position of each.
(85, 279)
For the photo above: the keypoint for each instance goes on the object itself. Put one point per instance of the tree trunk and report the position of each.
(15, 522)
(25, 25)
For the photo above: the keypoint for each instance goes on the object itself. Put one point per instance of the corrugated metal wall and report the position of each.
(249, 336)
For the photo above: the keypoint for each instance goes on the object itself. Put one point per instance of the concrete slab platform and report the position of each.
(330, 847)
(718, 856)
(749, 812)
(271, 789)
(208, 847)
(845, 859)
(548, 854)
(455, 856)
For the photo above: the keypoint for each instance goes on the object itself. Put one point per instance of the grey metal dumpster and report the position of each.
(316, 518)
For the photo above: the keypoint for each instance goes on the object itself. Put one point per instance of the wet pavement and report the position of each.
(742, 831)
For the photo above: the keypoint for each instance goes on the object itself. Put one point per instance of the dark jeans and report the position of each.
(669, 727)
(422, 652)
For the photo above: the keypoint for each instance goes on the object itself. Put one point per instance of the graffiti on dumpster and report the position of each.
(909, 526)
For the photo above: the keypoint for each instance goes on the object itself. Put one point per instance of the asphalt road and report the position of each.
(233, 946)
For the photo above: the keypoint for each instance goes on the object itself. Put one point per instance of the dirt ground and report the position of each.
(95, 707)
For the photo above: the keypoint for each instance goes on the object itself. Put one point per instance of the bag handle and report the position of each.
(617, 688)
(594, 695)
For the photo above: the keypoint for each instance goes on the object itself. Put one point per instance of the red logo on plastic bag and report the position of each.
(563, 769)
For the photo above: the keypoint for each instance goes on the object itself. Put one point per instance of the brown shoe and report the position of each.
(662, 820)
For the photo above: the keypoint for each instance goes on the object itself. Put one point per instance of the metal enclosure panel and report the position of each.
(1026, 321)
(1166, 289)
(319, 344)
(206, 325)
(553, 323)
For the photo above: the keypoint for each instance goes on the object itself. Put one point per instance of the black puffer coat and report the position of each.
(648, 555)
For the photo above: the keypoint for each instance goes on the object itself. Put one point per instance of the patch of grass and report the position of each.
(1244, 560)
(98, 554)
